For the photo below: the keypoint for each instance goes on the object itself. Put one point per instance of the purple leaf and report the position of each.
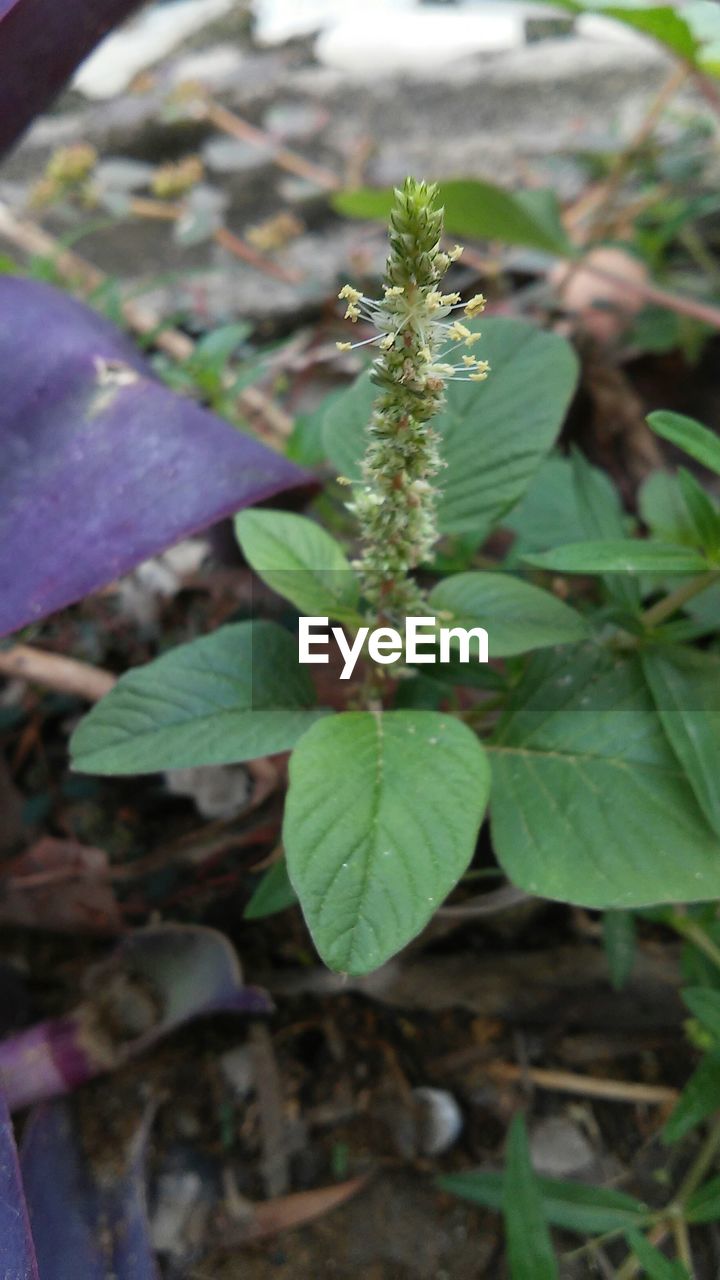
(157, 979)
(87, 1221)
(17, 1256)
(41, 44)
(102, 466)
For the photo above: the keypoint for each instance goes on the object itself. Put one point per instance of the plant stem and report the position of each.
(700, 1165)
(682, 1243)
(658, 613)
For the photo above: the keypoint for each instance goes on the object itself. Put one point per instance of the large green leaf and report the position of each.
(495, 435)
(602, 517)
(548, 514)
(620, 555)
(589, 803)
(529, 1247)
(568, 1205)
(692, 34)
(479, 211)
(234, 695)
(689, 435)
(685, 685)
(299, 560)
(381, 821)
(518, 617)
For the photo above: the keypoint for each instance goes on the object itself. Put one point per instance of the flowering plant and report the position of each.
(598, 723)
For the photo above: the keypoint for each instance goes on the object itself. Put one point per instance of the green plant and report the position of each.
(596, 723)
(610, 1219)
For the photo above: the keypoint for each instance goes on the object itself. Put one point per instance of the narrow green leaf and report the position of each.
(704, 1204)
(568, 1205)
(654, 1263)
(703, 514)
(480, 211)
(381, 821)
(494, 436)
(619, 937)
(685, 685)
(299, 560)
(274, 893)
(704, 1004)
(689, 435)
(589, 803)
(234, 695)
(699, 1099)
(620, 555)
(530, 1251)
(517, 616)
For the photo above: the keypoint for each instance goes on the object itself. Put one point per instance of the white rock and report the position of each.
(143, 42)
(418, 43)
(439, 1120)
(558, 1148)
(280, 20)
(219, 791)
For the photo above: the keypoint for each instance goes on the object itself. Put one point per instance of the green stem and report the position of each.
(664, 609)
(700, 1165)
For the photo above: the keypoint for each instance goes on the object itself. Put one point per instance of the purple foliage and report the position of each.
(41, 44)
(102, 466)
(17, 1256)
(86, 1222)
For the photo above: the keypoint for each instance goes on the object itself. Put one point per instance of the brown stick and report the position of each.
(65, 675)
(234, 125)
(586, 1086)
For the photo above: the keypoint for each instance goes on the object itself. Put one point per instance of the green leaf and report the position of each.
(689, 435)
(704, 1204)
(234, 695)
(274, 893)
(530, 1251)
(589, 803)
(619, 937)
(517, 616)
(704, 516)
(685, 685)
(693, 34)
(654, 1263)
(381, 821)
(568, 1205)
(704, 1004)
(619, 555)
(699, 1099)
(663, 510)
(495, 435)
(602, 517)
(479, 211)
(299, 560)
(548, 514)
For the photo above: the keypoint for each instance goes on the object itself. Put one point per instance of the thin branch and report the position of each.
(64, 675)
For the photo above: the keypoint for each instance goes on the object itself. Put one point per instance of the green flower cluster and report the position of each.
(397, 500)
